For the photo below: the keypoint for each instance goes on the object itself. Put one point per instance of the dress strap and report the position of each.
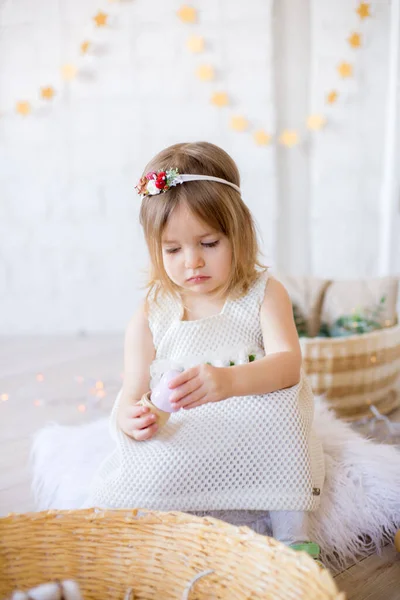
(258, 288)
(161, 314)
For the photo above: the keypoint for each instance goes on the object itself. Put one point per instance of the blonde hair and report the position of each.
(216, 204)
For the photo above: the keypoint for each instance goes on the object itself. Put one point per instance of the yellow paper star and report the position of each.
(68, 72)
(289, 138)
(355, 40)
(363, 10)
(85, 46)
(345, 69)
(316, 122)
(262, 138)
(332, 97)
(205, 73)
(220, 99)
(47, 93)
(195, 43)
(23, 108)
(100, 19)
(187, 14)
(239, 123)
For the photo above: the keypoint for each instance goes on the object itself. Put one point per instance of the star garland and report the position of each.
(69, 71)
(206, 73)
(288, 138)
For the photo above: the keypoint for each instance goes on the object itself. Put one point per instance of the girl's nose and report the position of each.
(193, 259)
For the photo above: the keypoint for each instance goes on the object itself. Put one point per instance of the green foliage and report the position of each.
(324, 330)
(362, 320)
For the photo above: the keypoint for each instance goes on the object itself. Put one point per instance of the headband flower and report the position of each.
(156, 182)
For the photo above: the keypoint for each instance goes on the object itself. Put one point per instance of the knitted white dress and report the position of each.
(251, 453)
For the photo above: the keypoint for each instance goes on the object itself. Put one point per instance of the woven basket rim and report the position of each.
(149, 516)
(354, 338)
(230, 536)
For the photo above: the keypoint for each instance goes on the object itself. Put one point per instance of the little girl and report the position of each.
(242, 445)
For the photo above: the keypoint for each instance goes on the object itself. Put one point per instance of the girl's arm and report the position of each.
(280, 368)
(139, 353)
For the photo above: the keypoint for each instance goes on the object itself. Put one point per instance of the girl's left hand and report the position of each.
(199, 385)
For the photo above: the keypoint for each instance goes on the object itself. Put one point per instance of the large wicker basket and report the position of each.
(156, 554)
(355, 372)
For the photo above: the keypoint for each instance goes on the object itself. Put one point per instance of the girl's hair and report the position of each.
(216, 204)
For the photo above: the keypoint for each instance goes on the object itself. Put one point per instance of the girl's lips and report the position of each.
(198, 279)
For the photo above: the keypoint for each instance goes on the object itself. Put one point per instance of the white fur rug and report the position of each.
(360, 506)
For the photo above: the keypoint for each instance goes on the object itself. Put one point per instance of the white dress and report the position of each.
(247, 453)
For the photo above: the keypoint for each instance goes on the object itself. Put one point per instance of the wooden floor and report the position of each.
(74, 380)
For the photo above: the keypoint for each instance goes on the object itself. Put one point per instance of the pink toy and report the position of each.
(161, 393)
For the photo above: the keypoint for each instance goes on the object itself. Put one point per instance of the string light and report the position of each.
(205, 72)
(195, 43)
(100, 19)
(220, 99)
(85, 46)
(238, 123)
(289, 138)
(262, 138)
(363, 10)
(345, 69)
(332, 97)
(68, 72)
(95, 394)
(187, 14)
(355, 40)
(47, 93)
(23, 108)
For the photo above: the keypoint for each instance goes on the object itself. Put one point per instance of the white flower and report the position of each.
(151, 188)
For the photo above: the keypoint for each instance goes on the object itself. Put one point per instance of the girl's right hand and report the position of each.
(138, 422)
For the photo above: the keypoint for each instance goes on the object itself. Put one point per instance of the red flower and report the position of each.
(161, 180)
(151, 175)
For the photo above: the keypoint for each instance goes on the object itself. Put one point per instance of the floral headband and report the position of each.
(157, 182)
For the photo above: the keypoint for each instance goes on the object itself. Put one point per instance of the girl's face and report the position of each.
(196, 257)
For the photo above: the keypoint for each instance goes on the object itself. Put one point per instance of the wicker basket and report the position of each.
(156, 554)
(355, 372)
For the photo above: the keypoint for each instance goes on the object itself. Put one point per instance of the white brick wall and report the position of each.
(347, 161)
(71, 249)
(71, 252)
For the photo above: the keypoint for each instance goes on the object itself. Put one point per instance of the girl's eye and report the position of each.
(210, 244)
(204, 244)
